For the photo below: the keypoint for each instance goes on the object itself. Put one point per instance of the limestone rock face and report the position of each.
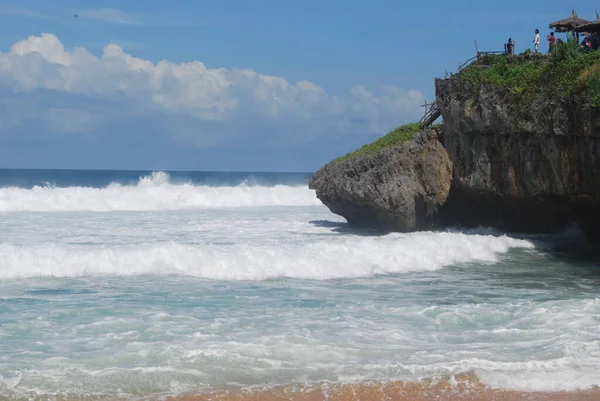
(397, 189)
(519, 167)
(529, 170)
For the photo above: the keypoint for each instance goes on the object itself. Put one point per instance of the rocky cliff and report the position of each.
(398, 188)
(516, 160)
(528, 169)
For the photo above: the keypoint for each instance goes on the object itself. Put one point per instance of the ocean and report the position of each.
(141, 284)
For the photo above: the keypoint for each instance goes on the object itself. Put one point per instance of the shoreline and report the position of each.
(462, 387)
(466, 387)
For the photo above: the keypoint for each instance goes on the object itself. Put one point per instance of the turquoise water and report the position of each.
(137, 283)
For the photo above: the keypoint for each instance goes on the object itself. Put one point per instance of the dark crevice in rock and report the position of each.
(541, 214)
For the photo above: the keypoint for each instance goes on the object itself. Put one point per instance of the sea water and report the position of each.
(120, 283)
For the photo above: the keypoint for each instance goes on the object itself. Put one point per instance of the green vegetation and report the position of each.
(395, 137)
(590, 78)
(564, 51)
(567, 72)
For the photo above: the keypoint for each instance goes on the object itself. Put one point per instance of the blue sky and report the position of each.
(276, 85)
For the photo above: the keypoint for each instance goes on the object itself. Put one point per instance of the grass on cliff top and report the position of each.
(565, 72)
(393, 138)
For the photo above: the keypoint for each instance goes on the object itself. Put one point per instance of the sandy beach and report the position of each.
(463, 388)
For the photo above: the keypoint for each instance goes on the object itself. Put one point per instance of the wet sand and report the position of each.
(463, 388)
(460, 388)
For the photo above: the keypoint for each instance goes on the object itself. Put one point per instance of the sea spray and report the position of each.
(340, 257)
(152, 193)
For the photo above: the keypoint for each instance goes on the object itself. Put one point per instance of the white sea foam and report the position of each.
(154, 192)
(156, 329)
(268, 342)
(339, 257)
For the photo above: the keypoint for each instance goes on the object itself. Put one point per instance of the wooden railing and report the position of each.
(479, 56)
(432, 113)
(432, 110)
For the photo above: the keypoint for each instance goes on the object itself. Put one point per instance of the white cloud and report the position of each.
(111, 15)
(216, 104)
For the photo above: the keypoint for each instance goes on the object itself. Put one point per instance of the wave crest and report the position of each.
(350, 257)
(152, 193)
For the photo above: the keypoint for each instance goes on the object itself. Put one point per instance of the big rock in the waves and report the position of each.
(523, 169)
(395, 189)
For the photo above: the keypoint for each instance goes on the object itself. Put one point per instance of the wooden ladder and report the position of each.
(432, 113)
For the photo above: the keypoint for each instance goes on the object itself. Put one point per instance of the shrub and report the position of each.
(564, 51)
(566, 72)
(393, 138)
(590, 80)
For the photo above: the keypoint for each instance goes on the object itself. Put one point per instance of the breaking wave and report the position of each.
(152, 193)
(349, 257)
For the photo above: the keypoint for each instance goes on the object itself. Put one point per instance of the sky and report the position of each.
(232, 85)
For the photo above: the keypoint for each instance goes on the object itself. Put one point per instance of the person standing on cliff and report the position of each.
(536, 40)
(510, 46)
(551, 41)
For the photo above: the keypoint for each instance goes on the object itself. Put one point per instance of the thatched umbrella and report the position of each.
(568, 24)
(590, 27)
